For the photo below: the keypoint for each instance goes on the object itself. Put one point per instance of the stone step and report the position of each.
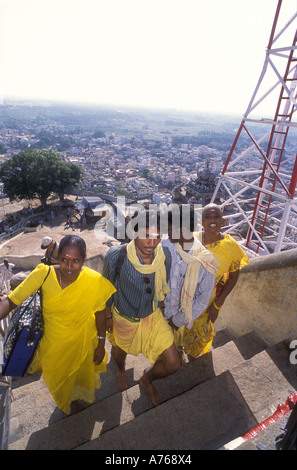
(33, 407)
(211, 413)
(275, 377)
(201, 418)
(46, 426)
(188, 421)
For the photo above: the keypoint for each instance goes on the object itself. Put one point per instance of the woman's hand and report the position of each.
(213, 313)
(6, 306)
(99, 353)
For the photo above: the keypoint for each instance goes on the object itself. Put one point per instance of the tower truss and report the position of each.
(260, 174)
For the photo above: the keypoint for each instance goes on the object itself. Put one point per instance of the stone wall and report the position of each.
(264, 299)
(27, 263)
(95, 262)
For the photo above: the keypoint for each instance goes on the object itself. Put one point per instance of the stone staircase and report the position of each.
(207, 403)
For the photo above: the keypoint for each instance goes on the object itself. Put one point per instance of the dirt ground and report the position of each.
(29, 243)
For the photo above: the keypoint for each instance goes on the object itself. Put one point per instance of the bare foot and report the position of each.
(155, 397)
(122, 380)
(182, 356)
(76, 406)
(147, 369)
(191, 358)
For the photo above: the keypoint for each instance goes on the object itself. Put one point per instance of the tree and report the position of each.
(67, 176)
(3, 149)
(147, 174)
(38, 173)
(98, 134)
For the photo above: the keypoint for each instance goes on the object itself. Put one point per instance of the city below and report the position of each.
(143, 155)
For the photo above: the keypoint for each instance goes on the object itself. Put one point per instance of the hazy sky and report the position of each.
(185, 54)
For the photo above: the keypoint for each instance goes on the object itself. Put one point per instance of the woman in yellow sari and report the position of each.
(72, 351)
(231, 259)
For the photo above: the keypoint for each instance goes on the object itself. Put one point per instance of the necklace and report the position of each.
(60, 280)
(65, 282)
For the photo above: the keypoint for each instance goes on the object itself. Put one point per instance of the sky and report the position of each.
(191, 55)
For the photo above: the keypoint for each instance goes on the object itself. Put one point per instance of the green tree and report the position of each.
(45, 139)
(38, 173)
(147, 174)
(67, 176)
(98, 134)
(3, 149)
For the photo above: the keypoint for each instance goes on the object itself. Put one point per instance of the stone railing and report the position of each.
(19, 227)
(264, 299)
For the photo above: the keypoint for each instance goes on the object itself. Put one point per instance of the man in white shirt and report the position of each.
(192, 274)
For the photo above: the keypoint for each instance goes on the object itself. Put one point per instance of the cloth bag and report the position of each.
(23, 335)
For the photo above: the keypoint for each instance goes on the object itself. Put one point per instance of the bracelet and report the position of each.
(101, 337)
(107, 318)
(215, 305)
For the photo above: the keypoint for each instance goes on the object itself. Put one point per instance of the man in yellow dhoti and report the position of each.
(72, 351)
(137, 321)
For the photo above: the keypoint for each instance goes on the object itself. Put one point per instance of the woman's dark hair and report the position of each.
(73, 240)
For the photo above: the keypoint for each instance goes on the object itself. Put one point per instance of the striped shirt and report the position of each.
(134, 291)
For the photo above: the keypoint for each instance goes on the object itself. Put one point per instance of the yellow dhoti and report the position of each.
(149, 336)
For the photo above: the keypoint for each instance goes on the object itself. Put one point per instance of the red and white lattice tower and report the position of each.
(260, 174)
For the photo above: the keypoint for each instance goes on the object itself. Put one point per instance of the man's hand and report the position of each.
(109, 325)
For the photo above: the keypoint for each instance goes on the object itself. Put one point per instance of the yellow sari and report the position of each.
(231, 258)
(66, 350)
